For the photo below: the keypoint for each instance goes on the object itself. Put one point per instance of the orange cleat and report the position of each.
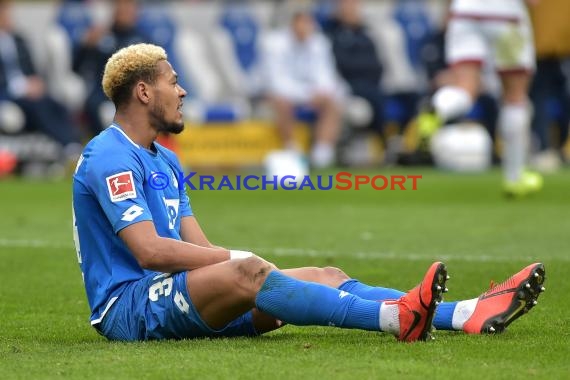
(502, 304)
(417, 307)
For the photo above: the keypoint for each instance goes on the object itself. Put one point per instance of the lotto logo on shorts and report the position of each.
(121, 186)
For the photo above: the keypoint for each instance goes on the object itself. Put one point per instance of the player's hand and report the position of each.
(237, 254)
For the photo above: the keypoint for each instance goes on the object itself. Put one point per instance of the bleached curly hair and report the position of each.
(128, 66)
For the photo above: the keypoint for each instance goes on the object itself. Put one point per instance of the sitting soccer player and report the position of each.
(151, 273)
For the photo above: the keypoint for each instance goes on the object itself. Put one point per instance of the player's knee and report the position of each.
(335, 274)
(252, 272)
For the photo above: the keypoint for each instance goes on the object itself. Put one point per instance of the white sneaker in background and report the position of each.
(547, 161)
(286, 163)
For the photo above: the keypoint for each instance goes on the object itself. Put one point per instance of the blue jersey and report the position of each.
(118, 183)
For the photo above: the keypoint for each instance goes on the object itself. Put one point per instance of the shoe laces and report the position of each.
(507, 284)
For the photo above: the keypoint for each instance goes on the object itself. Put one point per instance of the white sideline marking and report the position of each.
(302, 252)
(372, 255)
(27, 243)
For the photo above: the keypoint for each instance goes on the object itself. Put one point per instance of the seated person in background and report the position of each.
(299, 69)
(356, 56)
(20, 84)
(95, 49)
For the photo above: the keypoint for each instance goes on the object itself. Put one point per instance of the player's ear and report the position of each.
(142, 92)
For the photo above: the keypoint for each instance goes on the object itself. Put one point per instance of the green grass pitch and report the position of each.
(380, 237)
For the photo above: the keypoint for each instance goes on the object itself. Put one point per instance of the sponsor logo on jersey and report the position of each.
(171, 210)
(132, 213)
(121, 186)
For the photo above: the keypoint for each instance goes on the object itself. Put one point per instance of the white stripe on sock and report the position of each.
(389, 318)
(463, 311)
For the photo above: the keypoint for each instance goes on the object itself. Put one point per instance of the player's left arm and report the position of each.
(191, 232)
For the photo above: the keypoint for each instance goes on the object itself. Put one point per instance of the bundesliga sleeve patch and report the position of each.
(121, 186)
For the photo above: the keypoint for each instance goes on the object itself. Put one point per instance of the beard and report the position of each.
(160, 124)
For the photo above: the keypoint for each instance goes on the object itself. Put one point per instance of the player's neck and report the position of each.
(139, 131)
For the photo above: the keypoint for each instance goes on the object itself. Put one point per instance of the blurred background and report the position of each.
(375, 63)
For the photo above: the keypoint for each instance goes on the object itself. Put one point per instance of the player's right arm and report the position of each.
(167, 255)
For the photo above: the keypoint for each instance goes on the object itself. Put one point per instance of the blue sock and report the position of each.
(444, 316)
(307, 303)
(443, 313)
(368, 292)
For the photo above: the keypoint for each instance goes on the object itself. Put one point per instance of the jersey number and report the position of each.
(160, 288)
(163, 287)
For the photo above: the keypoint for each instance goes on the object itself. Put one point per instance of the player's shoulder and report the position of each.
(167, 153)
(110, 148)
(111, 142)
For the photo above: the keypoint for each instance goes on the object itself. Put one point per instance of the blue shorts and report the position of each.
(160, 307)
